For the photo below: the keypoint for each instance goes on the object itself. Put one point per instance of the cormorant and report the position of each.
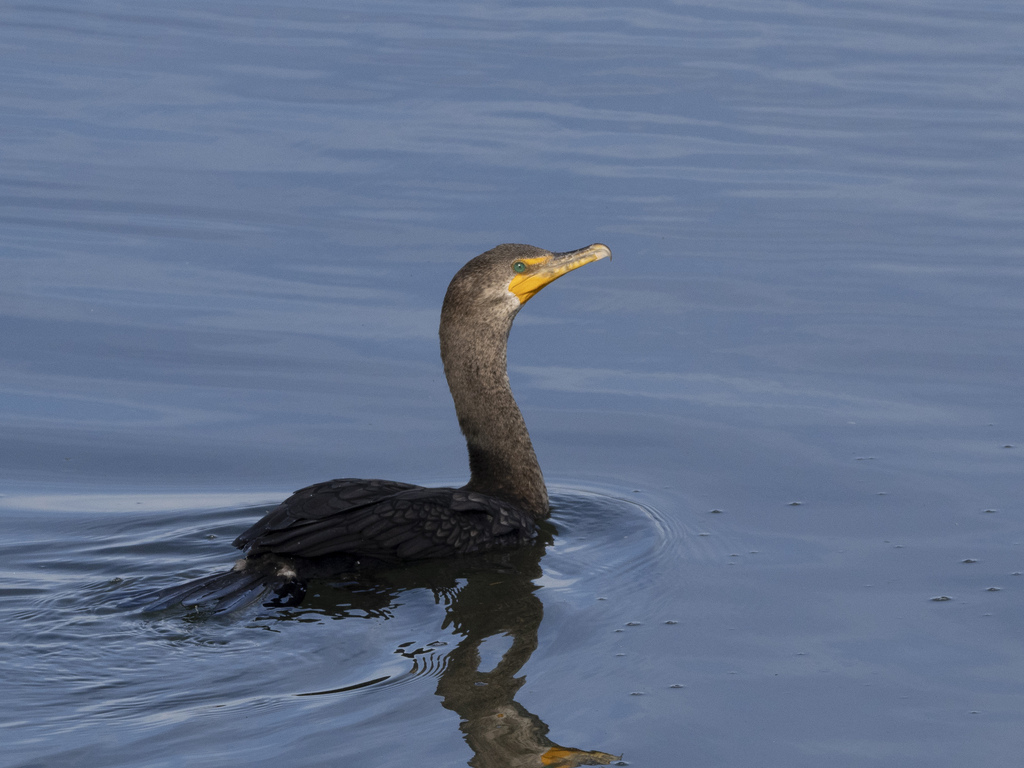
(351, 524)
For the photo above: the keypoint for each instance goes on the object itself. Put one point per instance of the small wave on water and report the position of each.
(74, 571)
(608, 543)
(97, 554)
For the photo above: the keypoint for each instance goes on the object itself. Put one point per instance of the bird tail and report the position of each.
(247, 583)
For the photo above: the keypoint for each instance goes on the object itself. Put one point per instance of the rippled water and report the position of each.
(783, 427)
(109, 682)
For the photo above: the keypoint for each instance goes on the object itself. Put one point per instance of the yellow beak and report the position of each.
(546, 269)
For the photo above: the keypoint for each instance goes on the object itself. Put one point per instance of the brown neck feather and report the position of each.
(502, 462)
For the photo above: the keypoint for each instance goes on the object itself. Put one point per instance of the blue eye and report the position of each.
(519, 267)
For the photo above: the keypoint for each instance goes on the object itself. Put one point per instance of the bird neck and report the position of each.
(502, 461)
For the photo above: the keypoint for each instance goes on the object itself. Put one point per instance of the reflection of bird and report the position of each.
(348, 523)
(489, 596)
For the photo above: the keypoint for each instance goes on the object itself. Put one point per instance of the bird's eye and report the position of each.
(519, 267)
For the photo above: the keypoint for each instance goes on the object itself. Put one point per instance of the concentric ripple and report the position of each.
(609, 541)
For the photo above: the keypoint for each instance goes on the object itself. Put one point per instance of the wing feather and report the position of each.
(386, 520)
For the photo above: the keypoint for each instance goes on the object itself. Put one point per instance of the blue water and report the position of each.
(225, 232)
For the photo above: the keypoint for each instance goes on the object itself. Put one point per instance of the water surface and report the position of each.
(777, 426)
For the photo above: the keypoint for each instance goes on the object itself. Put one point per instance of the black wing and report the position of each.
(386, 520)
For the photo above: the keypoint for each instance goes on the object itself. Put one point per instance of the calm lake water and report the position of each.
(783, 428)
